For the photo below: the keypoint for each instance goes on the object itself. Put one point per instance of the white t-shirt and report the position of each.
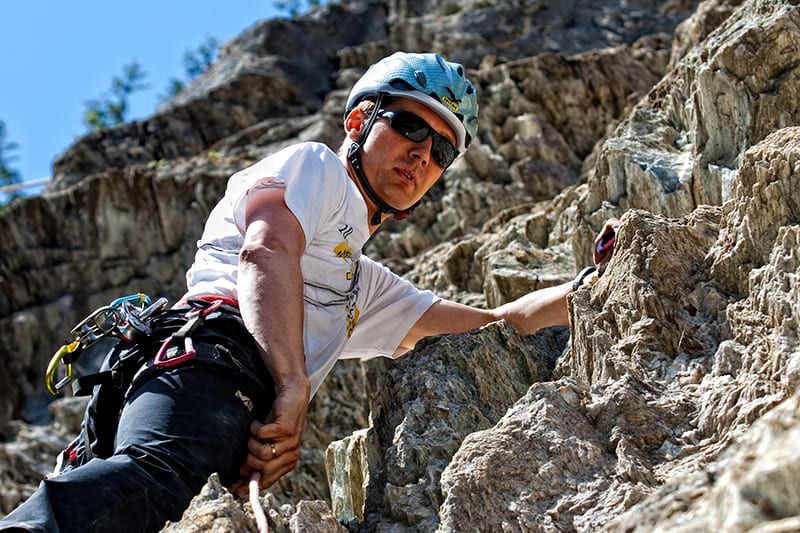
(354, 307)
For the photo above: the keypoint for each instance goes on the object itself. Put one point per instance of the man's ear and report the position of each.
(354, 122)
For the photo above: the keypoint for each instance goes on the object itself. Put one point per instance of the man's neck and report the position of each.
(371, 207)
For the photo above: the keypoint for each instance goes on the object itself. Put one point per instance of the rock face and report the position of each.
(753, 487)
(682, 144)
(429, 403)
(670, 401)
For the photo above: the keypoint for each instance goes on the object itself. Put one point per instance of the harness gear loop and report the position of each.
(194, 318)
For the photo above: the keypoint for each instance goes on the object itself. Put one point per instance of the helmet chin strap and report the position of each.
(354, 157)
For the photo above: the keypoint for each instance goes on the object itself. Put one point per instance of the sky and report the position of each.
(57, 55)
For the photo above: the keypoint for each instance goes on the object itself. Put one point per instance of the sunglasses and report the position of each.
(417, 130)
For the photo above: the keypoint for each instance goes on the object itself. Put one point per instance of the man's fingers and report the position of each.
(265, 466)
(278, 433)
(266, 450)
(273, 469)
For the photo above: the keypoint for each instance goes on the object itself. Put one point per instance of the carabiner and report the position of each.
(50, 374)
(95, 326)
(164, 360)
(140, 299)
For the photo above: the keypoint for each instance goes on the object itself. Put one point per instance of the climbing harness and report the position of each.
(135, 330)
(123, 317)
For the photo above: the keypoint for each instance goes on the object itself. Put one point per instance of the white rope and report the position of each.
(24, 185)
(261, 518)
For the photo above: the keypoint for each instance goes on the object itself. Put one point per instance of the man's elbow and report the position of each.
(254, 254)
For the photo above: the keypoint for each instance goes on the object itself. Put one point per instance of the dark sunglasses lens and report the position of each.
(442, 151)
(417, 130)
(411, 126)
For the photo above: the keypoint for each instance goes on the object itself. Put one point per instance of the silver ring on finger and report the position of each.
(272, 447)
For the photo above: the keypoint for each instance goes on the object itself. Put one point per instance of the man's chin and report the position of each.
(401, 201)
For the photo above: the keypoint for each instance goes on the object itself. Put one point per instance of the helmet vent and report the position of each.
(469, 89)
(460, 71)
(402, 85)
(421, 79)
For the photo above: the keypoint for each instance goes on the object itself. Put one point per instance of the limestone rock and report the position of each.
(314, 517)
(27, 455)
(665, 410)
(530, 471)
(216, 510)
(753, 487)
(759, 366)
(692, 31)
(68, 413)
(469, 31)
(763, 203)
(682, 144)
(507, 259)
(447, 388)
(652, 303)
(347, 465)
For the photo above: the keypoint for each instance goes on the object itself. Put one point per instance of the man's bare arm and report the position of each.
(270, 287)
(538, 309)
(533, 311)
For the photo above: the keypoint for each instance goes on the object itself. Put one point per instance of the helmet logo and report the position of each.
(452, 104)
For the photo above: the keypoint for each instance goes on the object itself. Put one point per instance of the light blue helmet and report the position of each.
(429, 79)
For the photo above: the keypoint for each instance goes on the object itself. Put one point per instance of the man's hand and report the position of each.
(274, 448)
(604, 243)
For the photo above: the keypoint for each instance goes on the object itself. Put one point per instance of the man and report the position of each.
(284, 246)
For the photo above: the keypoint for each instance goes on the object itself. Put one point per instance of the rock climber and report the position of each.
(279, 291)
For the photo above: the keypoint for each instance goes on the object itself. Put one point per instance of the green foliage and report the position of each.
(198, 60)
(8, 175)
(296, 7)
(110, 109)
(195, 62)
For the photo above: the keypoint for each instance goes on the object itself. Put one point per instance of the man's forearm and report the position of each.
(539, 309)
(535, 310)
(270, 287)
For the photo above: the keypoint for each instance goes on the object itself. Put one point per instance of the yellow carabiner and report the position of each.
(50, 374)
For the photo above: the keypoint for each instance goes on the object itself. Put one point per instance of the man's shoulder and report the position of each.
(312, 150)
(310, 159)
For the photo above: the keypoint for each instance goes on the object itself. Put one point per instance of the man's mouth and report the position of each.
(407, 174)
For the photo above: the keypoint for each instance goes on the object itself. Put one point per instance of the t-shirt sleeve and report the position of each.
(393, 305)
(309, 174)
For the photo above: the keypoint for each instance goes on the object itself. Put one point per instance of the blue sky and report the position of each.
(57, 55)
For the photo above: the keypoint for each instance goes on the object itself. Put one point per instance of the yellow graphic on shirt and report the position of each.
(344, 252)
(352, 318)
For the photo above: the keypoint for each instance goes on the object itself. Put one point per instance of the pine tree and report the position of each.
(195, 62)
(8, 175)
(112, 109)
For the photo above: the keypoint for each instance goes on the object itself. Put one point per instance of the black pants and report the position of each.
(177, 428)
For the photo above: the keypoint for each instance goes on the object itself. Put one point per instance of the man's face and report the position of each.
(402, 171)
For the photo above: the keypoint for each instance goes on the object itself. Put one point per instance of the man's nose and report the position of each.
(422, 150)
